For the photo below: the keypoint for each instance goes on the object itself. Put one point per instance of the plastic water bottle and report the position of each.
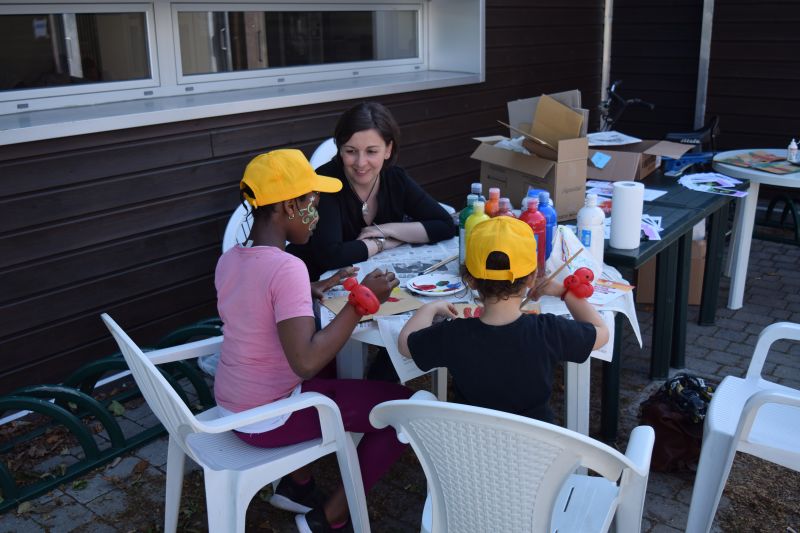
(591, 227)
(505, 208)
(462, 221)
(493, 203)
(551, 217)
(538, 224)
(791, 153)
(477, 188)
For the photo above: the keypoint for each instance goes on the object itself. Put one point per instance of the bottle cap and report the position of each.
(591, 200)
(476, 188)
(544, 198)
(478, 207)
(533, 203)
(494, 192)
(472, 198)
(524, 205)
(505, 204)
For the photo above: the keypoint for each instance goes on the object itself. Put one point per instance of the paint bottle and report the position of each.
(551, 217)
(477, 188)
(535, 219)
(505, 208)
(493, 203)
(478, 215)
(462, 221)
(592, 227)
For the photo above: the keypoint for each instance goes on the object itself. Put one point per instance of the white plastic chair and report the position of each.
(234, 471)
(750, 415)
(238, 228)
(493, 471)
(323, 153)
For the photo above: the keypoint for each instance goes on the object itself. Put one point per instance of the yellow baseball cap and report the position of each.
(501, 234)
(282, 175)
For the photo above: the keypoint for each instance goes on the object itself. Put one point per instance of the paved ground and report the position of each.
(128, 495)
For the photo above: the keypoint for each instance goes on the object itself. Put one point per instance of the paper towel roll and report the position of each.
(627, 203)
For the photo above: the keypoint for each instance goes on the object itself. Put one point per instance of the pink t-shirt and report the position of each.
(257, 288)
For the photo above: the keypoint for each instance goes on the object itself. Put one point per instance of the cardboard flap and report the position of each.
(506, 158)
(554, 121)
(521, 112)
(669, 149)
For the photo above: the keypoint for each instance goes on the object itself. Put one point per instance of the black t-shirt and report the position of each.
(333, 243)
(508, 368)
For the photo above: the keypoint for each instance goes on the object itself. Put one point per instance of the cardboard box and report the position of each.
(632, 162)
(646, 277)
(560, 171)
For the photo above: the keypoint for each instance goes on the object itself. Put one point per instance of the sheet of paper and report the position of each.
(610, 138)
(600, 160)
(399, 302)
(390, 327)
(712, 182)
(606, 189)
(606, 291)
(554, 121)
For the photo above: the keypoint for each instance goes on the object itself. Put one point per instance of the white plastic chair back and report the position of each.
(323, 153)
(233, 470)
(751, 415)
(238, 228)
(493, 471)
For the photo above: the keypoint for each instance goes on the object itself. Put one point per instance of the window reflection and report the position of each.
(233, 41)
(45, 50)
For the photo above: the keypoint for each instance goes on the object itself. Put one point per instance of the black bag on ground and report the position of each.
(676, 411)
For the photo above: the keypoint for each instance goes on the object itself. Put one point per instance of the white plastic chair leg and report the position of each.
(176, 461)
(351, 478)
(716, 458)
(224, 514)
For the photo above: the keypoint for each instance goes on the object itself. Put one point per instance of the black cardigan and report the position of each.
(333, 243)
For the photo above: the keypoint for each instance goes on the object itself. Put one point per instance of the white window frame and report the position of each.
(451, 52)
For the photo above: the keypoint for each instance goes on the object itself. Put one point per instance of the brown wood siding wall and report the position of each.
(130, 222)
(654, 51)
(754, 79)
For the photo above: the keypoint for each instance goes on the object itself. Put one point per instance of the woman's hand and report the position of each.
(381, 283)
(318, 288)
(373, 232)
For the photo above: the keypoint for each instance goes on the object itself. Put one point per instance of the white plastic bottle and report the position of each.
(791, 153)
(591, 228)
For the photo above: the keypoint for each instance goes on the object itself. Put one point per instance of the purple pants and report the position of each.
(378, 449)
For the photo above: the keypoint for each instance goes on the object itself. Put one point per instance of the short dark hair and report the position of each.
(489, 288)
(367, 116)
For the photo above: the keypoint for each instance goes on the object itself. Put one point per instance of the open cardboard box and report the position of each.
(632, 162)
(558, 167)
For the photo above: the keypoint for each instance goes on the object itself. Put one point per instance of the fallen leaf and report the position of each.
(116, 408)
(24, 507)
(140, 467)
(79, 484)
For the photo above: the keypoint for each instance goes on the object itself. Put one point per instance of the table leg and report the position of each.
(718, 223)
(439, 381)
(576, 385)
(678, 356)
(351, 360)
(740, 250)
(609, 410)
(664, 312)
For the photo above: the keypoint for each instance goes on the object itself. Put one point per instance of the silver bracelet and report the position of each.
(380, 242)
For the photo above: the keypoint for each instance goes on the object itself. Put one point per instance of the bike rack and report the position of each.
(71, 405)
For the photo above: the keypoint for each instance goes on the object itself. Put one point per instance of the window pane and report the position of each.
(232, 41)
(45, 50)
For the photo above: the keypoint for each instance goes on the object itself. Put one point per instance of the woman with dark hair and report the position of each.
(379, 206)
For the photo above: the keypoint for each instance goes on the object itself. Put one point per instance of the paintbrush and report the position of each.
(438, 265)
(549, 278)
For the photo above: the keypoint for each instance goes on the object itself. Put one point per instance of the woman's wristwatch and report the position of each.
(380, 242)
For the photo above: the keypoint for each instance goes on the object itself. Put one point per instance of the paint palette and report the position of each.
(434, 284)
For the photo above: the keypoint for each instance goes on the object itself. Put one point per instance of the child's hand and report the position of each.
(319, 287)
(381, 283)
(551, 288)
(443, 309)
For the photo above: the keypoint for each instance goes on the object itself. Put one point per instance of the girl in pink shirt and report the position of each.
(272, 348)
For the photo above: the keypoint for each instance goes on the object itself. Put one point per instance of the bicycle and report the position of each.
(613, 107)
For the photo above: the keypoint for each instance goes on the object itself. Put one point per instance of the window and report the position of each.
(150, 62)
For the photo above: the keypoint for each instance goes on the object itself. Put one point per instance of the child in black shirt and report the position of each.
(504, 359)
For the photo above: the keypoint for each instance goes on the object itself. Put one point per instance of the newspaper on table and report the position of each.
(712, 182)
(606, 189)
(409, 261)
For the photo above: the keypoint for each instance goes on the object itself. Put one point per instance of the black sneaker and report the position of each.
(295, 498)
(314, 521)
